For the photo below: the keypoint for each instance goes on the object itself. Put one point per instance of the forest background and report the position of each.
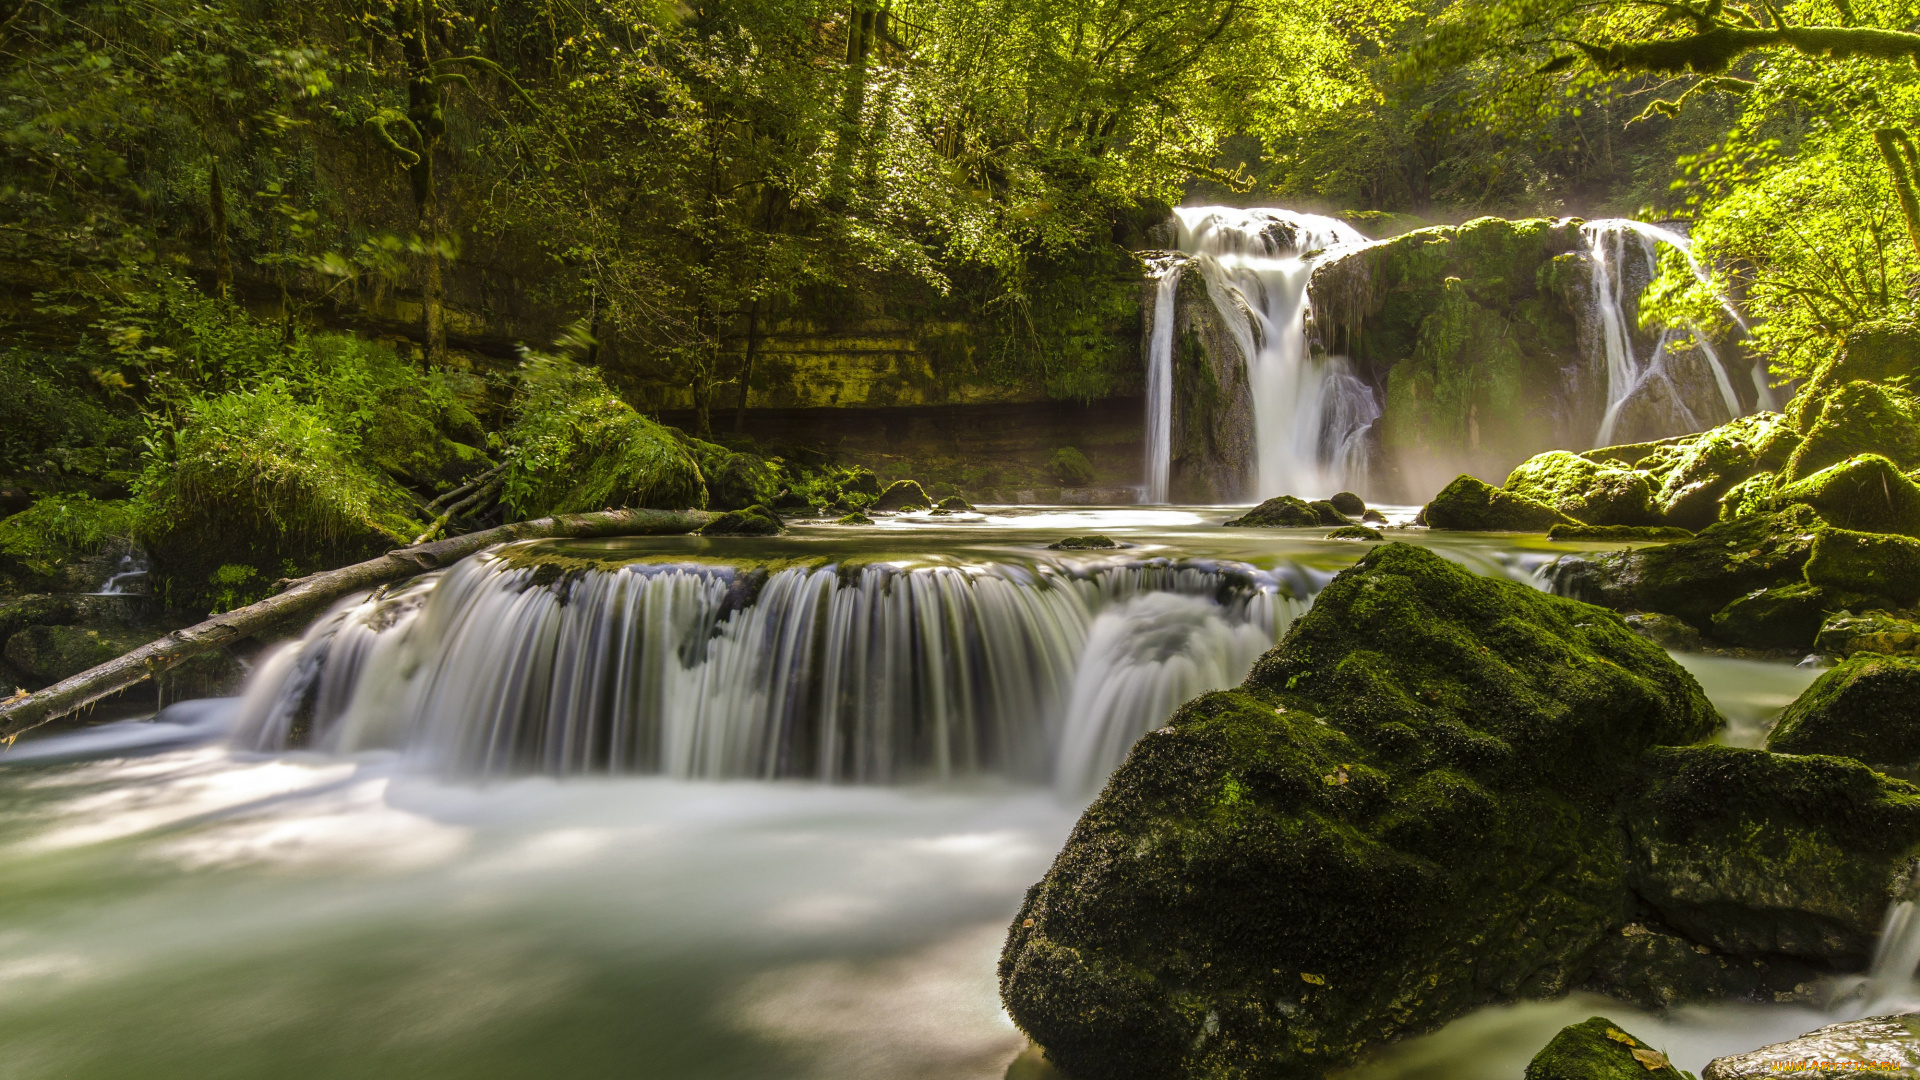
(236, 234)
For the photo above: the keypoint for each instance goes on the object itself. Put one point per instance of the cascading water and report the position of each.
(871, 673)
(1624, 255)
(1309, 413)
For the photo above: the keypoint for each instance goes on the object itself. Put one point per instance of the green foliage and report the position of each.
(64, 425)
(574, 446)
(1071, 467)
(58, 530)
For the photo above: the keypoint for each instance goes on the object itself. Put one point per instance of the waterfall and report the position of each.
(870, 673)
(1310, 414)
(1620, 249)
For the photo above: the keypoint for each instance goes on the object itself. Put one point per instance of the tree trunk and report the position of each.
(308, 594)
(746, 367)
(222, 256)
(1897, 147)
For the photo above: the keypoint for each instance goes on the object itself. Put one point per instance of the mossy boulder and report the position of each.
(19, 612)
(860, 481)
(1866, 708)
(736, 481)
(1877, 352)
(1887, 634)
(1470, 504)
(1095, 542)
(1867, 493)
(954, 504)
(1356, 532)
(1289, 512)
(1757, 853)
(1593, 492)
(1872, 563)
(902, 495)
(1786, 617)
(1655, 969)
(855, 518)
(1346, 502)
(755, 520)
(1858, 418)
(1619, 533)
(1712, 462)
(47, 654)
(577, 447)
(1071, 467)
(1597, 1050)
(1402, 815)
(1693, 579)
(52, 543)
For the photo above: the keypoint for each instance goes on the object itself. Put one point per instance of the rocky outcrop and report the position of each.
(1212, 449)
(1867, 708)
(1875, 1046)
(1470, 504)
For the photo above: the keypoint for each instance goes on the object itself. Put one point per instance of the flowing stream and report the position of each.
(674, 807)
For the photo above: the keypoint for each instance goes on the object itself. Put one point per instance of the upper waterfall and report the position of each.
(1308, 412)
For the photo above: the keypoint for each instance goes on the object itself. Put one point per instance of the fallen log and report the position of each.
(305, 595)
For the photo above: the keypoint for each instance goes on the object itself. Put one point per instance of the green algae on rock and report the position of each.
(1597, 1049)
(1289, 512)
(755, 520)
(1843, 559)
(1356, 532)
(1847, 634)
(1627, 533)
(1592, 492)
(1866, 708)
(1868, 493)
(1470, 504)
(1757, 853)
(1403, 814)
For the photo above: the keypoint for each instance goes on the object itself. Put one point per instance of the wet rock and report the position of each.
(51, 653)
(1402, 815)
(1756, 853)
(1847, 634)
(1786, 617)
(860, 481)
(1866, 708)
(855, 518)
(1211, 431)
(1596, 493)
(1666, 631)
(1349, 504)
(1597, 1050)
(1288, 512)
(1845, 560)
(1373, 517)
(1654, 969)
(1858, 418)
(1474, 505)
(902, 495)
(1876, 1046)
(19, 612)
(1355, 532)
(755, 520)
(1694, 579)
(1083, 543)
(955, 504)
(1071, 467)
(1866, 493)
(1621, 533)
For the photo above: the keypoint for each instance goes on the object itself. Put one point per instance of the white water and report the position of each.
(1614, 245)
(874, 674)
(1309, 413)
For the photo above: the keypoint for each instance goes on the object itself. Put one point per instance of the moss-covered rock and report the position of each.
(1356, 532)
(1757, 853)
(855, 518)
(1346, 502)
(1858, 418)
(1713, 462)
(577, 447)
(47, 654)
(1592, 492)
(755, 520)
(1597, 1050)
(1867, 493)
(736, 481)
(860, 481)
(1211, 450)
(1470, 504)
(1847, 634)
(1750, 496)
(1402, 815)
(19, 612)
(49, 544)
(1693, 579)
(1786, 617)
(1619, 533)
(1289, 512)
(1071, 467)
(1867, 708)
(1655, 969)
(954, 504)
(1879, 565)
(1879, 351)
(1083, 543)
(902, 495)
(1666, 631)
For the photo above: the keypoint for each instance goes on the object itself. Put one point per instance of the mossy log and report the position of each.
(304, 595)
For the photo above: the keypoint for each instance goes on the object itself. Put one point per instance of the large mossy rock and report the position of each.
(1885, 633)
(1403, 814)
(1471, 504)
(1867, 493)
(1847, 561)
(1866, 708)
(1787, 617)
(902, 495)
(1694, 579)
(1288, 512)
(1878, 352)
(1858, 418)
(47, 654)
(1764, 854)
(577, 447)
(1597, 1050)
(1697, 472)
(1597, 493)
(1212, 451)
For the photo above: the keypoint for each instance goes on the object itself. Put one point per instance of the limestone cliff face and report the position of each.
(1212, 424)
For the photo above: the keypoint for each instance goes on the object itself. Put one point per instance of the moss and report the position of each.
(1622, 533)
(1847, 634)
(860, 481)
(1867, 493)
(1787, 617)
(1595, 1050)
(19, 612)
(1071, 467)
(1866, 563)
(1858, 418)
(1867, 708)
(1757, 853)
(47, 654)
(1877, 351)
(1750, 496)
(755, 520)
(43, 542)
(1083, 543)
(855, 518)
(1286, 512)
(1402, 815)
(1693, 579)
(1355, 532)
(576, 447)
(1653, 969)
(1711, 464)
(1346, 502)
(955, 504)
(1474, 505)
(1588, 491)
(902, 495)
(414, 427)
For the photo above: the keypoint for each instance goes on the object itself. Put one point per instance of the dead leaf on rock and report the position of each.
(1653, 1060)
(1317, 980)
(1621, 1037)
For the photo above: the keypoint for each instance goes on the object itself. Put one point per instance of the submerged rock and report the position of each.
(1596, 493)
(1764, 854)
(1867, 708)
(1403, 814)
(755, 520)
(1878, 1045)
(1597, 1050)
(1474, 505)
(1083, 543)
(1355, 532)
(1288, 512)
(1623, 533)
(1847, 634)
(1842, 559)
(902, 495)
